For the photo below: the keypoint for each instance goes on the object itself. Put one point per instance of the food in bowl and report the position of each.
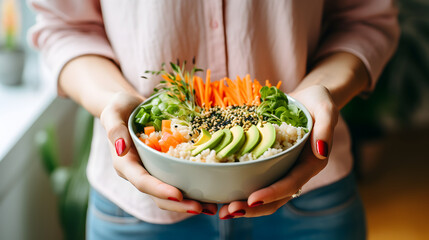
(221, 121)
(227, 173)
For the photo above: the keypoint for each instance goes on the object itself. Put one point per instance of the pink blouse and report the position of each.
(276, 40)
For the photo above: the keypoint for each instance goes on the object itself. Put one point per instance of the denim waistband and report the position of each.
(329, 196)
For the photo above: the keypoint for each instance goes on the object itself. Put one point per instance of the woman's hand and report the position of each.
(127, 163)
(313, 159)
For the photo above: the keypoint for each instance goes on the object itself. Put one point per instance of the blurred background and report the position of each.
(42, 183)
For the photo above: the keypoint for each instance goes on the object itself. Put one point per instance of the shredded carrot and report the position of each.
(279, 84)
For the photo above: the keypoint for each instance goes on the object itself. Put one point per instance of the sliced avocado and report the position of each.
(238, 139)
(268, 134)
(204, 137)
(214, 140)
(225, 140)
(252, 139)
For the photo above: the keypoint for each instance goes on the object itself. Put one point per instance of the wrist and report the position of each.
(343, 74)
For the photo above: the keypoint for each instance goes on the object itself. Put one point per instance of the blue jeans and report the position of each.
(330, 212)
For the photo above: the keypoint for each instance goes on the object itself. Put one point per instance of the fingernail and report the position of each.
(193, 212)
(322, 148)
(208, 212)
(120, 146)
(227, 217)
(173, 199)
(255, 204)
(240, 212)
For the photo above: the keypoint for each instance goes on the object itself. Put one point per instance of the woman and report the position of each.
(326, 53)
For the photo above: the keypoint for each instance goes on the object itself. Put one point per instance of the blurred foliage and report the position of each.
(69, 182)
(405, 80)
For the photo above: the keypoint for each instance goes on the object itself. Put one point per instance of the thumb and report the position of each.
(114, 119)
(325, 119)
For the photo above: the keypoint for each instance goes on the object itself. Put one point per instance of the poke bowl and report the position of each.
(224, 151)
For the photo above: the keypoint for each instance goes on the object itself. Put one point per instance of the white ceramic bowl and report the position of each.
(218, 182)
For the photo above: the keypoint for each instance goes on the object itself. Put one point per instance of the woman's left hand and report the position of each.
(312, 160)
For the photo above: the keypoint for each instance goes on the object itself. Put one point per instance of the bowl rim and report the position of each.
(227, 164)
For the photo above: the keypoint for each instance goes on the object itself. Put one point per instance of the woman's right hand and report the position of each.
(127, 164)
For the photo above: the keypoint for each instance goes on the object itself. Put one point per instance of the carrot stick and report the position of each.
(231, 84)
(215, 84)
(238, 91)
(267, 83)
(232, 98)
(254, 94)
(279, 84)
(231, 92)
(200, 90)
(221, 86)
(225, 101)
(243, 89)
(206, 94)
(218, 99)
(166, 78)
(249, 90)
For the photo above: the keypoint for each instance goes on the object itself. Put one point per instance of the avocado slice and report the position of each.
(268, 134)
(238, 139)
(252, 139)
(225, 140)
(204, 137)
(214, 140)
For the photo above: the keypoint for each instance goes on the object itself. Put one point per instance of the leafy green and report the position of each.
(176, 98)
(275, 108)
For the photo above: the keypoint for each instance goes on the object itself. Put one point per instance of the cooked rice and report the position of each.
(286, 137)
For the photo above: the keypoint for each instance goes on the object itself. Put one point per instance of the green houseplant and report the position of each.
(12, 56)
(69, 182)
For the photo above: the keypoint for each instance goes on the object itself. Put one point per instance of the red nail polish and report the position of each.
(322, 148)
(193, 212)
(255, 204)
(120, 146)
(208, 212)
(240, 212)
(227, 217)
(173, 199)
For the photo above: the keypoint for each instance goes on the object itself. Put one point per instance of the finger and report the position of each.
(114, 119)
(185, 206)
(241, 209)
(224, 213)
(265, 209)
(209, 208)
(307, 167)
(238, 208)
(325, 119)
(129, 167)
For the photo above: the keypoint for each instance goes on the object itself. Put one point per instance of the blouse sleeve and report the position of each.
(67, 29)
(366, 28)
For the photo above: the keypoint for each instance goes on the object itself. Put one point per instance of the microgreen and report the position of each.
(177, 92)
